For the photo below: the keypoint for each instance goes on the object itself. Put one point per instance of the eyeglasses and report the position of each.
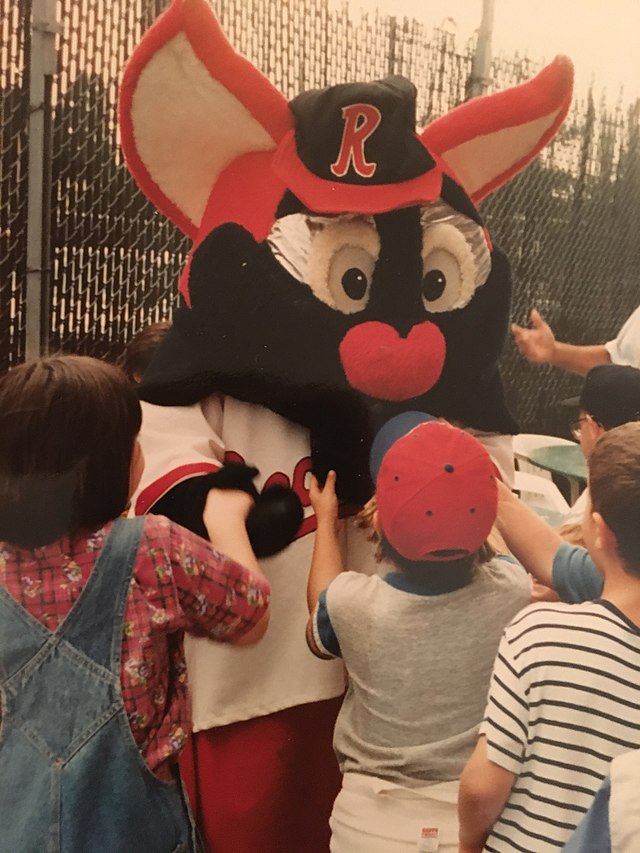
(576, 426)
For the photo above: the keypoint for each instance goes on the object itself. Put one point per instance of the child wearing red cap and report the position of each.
(418, 642)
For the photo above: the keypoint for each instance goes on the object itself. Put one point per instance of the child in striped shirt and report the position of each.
(564, 698)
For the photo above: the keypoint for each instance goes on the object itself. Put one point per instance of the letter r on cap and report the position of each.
(360, 121)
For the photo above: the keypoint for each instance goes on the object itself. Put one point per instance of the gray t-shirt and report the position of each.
(419, 668)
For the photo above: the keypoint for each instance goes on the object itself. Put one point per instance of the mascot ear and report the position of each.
(489, 139)
(190, 106)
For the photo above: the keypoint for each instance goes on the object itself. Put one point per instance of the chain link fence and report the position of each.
(569, 223)
(14, 115)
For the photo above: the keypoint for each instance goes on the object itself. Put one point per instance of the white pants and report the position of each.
(374, 816)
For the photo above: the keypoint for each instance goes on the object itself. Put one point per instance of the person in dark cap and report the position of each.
(609, 398)
(418, 642)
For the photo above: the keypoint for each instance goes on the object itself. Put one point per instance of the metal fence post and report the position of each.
(42, 67)
(480, 76)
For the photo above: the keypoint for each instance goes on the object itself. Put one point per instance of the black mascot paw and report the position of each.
(272, 522)
(275, 519)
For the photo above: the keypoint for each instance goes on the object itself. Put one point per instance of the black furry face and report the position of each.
(293, 324)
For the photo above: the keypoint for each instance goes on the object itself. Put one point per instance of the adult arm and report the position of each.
(539, 346)
(484, 790)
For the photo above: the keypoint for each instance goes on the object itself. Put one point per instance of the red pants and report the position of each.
(266, 784)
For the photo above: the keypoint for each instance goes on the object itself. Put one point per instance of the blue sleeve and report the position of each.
(323, 635)
(575, 577)
(593, 834)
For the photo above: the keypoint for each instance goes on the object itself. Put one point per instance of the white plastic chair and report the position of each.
(542, 495)
(525, 442)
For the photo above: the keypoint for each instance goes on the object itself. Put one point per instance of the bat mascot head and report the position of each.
(340, 271)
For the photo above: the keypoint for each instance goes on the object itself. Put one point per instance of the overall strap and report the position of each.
(94, 624)
(21, 636)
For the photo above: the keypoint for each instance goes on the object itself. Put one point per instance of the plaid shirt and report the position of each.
(180, 582)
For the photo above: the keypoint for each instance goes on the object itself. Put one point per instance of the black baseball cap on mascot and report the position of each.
(610, 394)
(356, 135)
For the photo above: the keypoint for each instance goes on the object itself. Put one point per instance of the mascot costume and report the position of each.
(340, 275)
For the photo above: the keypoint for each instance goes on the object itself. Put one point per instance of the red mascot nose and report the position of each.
(378, 362)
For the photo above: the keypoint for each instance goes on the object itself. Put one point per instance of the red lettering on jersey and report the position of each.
(360, 121)
(299, 480)
(299, 486)
(277, 479)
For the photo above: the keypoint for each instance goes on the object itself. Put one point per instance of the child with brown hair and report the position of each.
(93, 607)
(418, 643)
(565, 694)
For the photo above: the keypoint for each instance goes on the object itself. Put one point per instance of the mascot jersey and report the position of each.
(340, 275)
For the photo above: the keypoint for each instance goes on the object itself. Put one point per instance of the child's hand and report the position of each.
(226, 507)
(323, 499)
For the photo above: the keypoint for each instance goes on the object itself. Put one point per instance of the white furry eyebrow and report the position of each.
(290, 241)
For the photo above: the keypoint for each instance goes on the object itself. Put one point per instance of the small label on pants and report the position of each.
(428, 842)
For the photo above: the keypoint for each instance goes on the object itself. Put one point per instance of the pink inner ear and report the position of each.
(189, 105)
(488, 140)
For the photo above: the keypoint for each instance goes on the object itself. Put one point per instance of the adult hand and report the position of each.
(536, 344)
(323, 498)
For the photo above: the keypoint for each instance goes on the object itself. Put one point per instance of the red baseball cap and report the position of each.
(437, 494)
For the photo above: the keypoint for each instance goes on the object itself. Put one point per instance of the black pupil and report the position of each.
(433, 285)
(354, 282)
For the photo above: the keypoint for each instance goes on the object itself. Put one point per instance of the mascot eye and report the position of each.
(355, 283)
(335, 256)
(441, 281)
(455, 259)
(350, 274)
(433, 285)
(342, 258)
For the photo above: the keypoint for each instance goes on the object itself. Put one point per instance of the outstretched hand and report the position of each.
(537, 344)
(323, 498)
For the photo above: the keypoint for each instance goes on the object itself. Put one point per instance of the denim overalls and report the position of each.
(71, 776)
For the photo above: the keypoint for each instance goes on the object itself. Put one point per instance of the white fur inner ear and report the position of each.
(485, 158)
(188, 127)
(451, 273)
(357, 234)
